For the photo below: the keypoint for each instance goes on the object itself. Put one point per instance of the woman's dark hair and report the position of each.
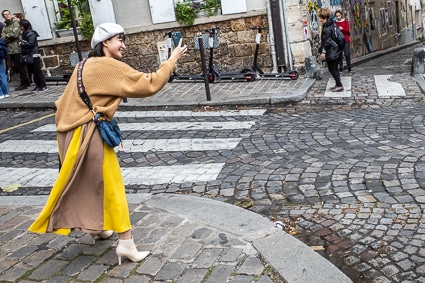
(25, 24)
(98, 49)
(20, 16)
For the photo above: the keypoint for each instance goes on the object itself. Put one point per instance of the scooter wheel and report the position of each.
(211, 78)
(171, 79)
(294, 75)
(250, 78)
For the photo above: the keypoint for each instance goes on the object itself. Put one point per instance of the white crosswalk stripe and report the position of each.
(384, 87)
(387, 88)
(50, 146)
(13, 177)
(41, 177)
(153, 114)
(170, 126)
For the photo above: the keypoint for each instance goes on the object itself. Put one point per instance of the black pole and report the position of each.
(74, 29)
(204, 68)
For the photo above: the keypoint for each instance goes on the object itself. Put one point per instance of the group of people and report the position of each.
(19, 39)
(331, 52)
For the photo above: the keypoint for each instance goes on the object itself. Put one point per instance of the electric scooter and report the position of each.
(292, 74)
(211, 44)
(244, 75)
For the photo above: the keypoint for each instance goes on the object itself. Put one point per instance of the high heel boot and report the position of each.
(102, 235)
(128, 249)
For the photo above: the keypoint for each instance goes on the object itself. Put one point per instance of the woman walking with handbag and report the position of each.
(344, 26)
(31, 55)
(329, 50)
(89, 193)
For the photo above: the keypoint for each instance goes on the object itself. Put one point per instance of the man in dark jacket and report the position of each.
(12, 34)
(330, 52)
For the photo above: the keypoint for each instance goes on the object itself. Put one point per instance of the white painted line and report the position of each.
(40, 200)
(50, 146)
(30, 146)
(170, 126)
(152, 175)
(147, 114)
(386, 88)
(346, 83)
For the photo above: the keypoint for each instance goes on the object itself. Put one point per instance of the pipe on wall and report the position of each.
(271, 38)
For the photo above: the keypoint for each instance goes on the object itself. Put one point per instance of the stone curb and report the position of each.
(292, 259)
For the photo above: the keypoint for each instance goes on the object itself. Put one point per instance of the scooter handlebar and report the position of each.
(212, 30)
(168, 34)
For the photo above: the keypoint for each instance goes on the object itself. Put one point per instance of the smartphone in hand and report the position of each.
(176, 38)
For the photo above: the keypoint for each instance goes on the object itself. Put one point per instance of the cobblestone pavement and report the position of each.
(345, 174)
(363, 88)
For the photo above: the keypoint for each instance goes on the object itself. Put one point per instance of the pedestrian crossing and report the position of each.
(16, 177)
(384, 86)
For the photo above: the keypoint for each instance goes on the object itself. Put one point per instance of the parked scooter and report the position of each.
(210, 41)
(244, 75)
(206, 44)
(292, 74)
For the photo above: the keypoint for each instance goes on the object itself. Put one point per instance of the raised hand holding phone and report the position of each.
(177, 36)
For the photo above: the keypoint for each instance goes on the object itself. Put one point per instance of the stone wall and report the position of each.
(236, 50)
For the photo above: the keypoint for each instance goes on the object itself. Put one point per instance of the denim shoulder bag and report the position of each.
(109, 131)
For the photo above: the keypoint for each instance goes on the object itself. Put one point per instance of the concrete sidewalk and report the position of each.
(186, 94)
(192, 239)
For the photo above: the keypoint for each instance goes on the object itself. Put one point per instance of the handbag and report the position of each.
(109, 131)
(27, 59)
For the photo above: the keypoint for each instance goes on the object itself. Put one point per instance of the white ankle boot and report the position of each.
(128, 249)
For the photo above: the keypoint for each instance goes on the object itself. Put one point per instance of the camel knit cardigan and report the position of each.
(106, 81)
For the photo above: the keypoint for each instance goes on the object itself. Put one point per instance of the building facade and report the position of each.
(293, 34)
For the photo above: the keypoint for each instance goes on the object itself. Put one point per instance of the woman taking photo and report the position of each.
(89, 193)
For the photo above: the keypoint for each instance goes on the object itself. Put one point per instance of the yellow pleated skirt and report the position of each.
(89, 193)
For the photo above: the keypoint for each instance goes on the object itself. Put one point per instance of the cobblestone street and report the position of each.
(345, 175)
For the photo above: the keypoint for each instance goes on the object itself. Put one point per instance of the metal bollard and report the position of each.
(204, 68)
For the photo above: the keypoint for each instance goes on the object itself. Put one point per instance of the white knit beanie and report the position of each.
(105, 31)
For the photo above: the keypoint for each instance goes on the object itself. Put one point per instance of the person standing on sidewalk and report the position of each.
(29, 46)
(344, 26)
(89, 193)
(329, 50)
(12, 34)
(4, 86)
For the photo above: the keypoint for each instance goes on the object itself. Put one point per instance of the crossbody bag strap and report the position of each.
(80, 86)
(83, 94)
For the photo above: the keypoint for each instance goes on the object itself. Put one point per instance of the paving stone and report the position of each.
(170, 271)
(123, 270)
(251, 266)
(220, 273)
(92, 273)
(48, 269)
(192, 275)
(207, 258)
(15, 272)
(78, 265)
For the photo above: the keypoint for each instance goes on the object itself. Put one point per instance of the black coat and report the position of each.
(29, 43)
(332, 50)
